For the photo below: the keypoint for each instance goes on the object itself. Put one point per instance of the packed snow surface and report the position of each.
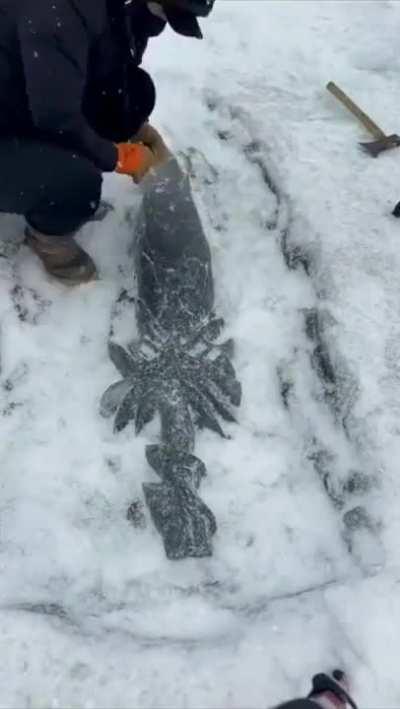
(306, 491)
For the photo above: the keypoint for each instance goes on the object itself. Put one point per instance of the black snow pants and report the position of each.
(53, 187)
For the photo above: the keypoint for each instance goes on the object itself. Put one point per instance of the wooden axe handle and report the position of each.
(356, 111)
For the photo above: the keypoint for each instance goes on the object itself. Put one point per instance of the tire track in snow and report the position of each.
(315, 373)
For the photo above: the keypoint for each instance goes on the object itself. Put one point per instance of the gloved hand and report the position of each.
(146, 152)
(134, 159)
(152, 139)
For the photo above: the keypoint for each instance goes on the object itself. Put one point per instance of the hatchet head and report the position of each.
(376, 147)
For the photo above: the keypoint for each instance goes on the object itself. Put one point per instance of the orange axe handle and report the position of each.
(366, 121)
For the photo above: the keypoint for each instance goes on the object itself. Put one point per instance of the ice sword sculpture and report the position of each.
(177, 366)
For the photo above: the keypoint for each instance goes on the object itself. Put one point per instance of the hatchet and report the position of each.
(382, 141)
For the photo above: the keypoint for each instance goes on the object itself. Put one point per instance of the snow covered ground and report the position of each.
(306, 569)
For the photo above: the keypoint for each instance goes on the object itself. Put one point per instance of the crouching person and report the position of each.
(74, 103)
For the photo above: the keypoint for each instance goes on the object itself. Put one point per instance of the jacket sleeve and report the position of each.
(55, 40)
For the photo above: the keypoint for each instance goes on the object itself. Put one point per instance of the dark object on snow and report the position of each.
(177, 368)
(337, 684)
(376, 147)
(396, 211)
(327, 691)
(135, 514)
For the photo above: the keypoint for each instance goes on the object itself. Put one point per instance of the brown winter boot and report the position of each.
(62, 257)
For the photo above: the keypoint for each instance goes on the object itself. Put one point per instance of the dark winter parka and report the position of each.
(57, 55)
